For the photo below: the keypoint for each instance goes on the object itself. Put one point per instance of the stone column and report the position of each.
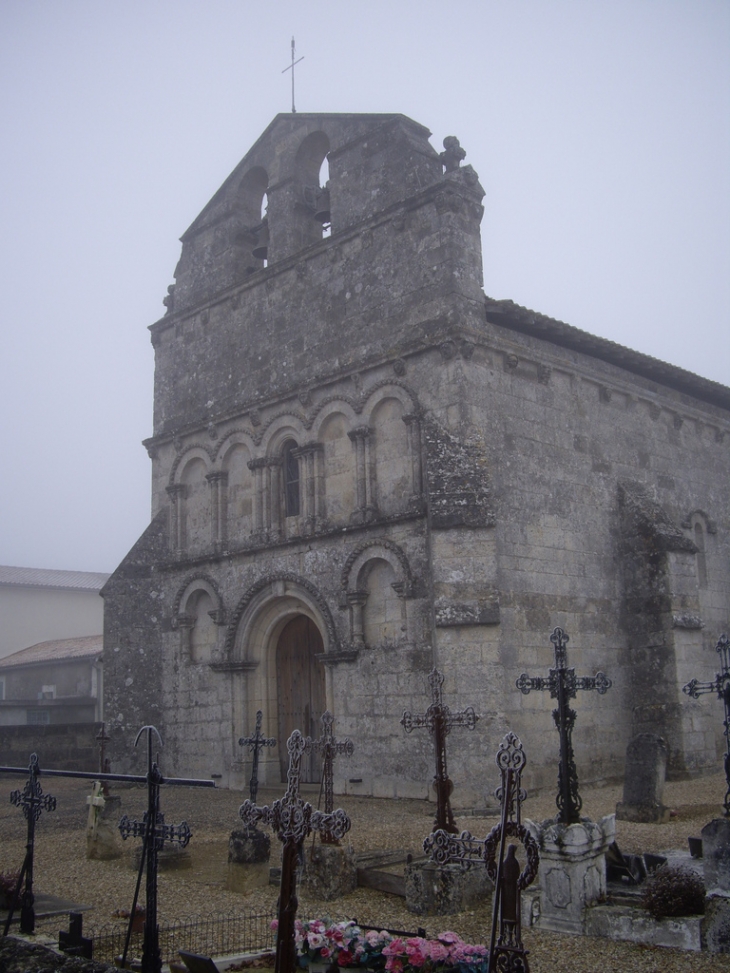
(646, 767)
(176, 493)
(356, 600)
(360, 437)
(257, 467)
(218, 482)
(273, 491)
(185, 625)
(413, 427)
(309, 486)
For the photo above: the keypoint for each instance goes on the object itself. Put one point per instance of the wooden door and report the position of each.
(301, 690)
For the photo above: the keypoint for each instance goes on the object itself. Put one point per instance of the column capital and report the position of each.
(359, 433)
(176, 491)
(217, 476)
(260, 463)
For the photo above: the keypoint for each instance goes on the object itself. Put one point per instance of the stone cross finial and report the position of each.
(453, 153)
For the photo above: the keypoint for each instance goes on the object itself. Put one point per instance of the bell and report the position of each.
(261, 250)
(322, 206)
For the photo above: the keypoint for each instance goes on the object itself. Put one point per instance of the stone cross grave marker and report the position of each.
(506, 950)
(32, 801)
(439, 721)
(328, 748)
(721, 686)
(563, 684)
(255, 743)
(293, 820)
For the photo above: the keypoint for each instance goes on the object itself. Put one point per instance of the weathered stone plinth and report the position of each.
(572, 870)
(715, 927)
(442, 890)
(102, 833)
(329, 871)
(249, 851)
(716, 854)
(249, 846)
(646, 768)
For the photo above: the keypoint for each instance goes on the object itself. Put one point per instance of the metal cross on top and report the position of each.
(293, 820)
(506, 950)
(563, 684)
(328, 748)
(255, 743)
(721, 686)
(439, 720)
(33, 802)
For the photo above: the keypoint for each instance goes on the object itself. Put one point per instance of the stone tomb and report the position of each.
(646, 768)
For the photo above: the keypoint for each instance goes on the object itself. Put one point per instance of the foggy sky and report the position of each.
(600, 130)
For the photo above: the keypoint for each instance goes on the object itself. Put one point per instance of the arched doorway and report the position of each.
(301, 689)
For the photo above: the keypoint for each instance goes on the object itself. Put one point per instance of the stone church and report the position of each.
(363, 467)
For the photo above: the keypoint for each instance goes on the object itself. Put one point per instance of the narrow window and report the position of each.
(291, 479)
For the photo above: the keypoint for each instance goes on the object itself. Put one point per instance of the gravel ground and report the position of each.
(62, 868)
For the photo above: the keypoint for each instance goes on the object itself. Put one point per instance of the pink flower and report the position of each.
(325, 952)
(344, 957)
(275, 924)
(449, 937)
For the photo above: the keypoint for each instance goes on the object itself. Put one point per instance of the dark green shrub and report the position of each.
(674, 891)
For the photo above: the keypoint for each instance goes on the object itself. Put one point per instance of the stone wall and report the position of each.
(70, 746)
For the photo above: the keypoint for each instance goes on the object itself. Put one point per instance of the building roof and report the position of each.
(56, 650)
(43, 578)
(507, 314)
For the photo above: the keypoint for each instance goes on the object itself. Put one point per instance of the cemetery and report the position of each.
(509, 885)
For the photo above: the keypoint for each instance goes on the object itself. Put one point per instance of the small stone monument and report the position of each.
(646, 768)
(716, 854)
(101, 825)
(329, 869)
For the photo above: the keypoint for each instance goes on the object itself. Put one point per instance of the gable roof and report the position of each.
(43, 578)
(507, 314)
(56, 650)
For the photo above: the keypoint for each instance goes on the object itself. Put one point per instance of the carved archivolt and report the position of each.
(194, 451)
(382, 549)
(194, 583)
(291, 584)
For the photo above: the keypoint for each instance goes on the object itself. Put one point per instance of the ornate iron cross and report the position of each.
(155, 834)
(439, 721)
(328, 748)
(293, 820)
(32, 802)
(563, 684)
(721, 686)
(255, 743)
(506, 950)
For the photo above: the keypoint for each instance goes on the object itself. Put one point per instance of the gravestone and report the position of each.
(716, 854)
(646, 768)
(101, 826)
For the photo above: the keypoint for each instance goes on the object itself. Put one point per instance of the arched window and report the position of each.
(290, 473)
(701, 560)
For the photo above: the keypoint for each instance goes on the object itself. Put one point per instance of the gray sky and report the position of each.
(600, 130)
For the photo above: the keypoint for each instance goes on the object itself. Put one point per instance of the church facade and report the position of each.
(364, 468)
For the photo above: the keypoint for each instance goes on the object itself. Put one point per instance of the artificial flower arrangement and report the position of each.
(344, 944)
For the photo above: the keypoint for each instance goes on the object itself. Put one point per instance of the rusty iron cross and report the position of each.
(506, 950)
(32, 801)
(293, 820)
(255, 743)
(721, 686)
(563, 684)
(328, 748)
(439, 721)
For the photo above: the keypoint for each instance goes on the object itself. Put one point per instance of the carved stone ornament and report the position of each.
(213, 430)
(453, 154)
(447, 349)
(399, 366)
(255, 417)
(305, 396)
(511, 362)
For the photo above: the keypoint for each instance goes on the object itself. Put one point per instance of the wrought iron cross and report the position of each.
(328, 748)
(255, 743)
(506, 950)
(32, 802)
(155, 834)
(563, 684)
(439, 721)
(721, 686)
(293, 820)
